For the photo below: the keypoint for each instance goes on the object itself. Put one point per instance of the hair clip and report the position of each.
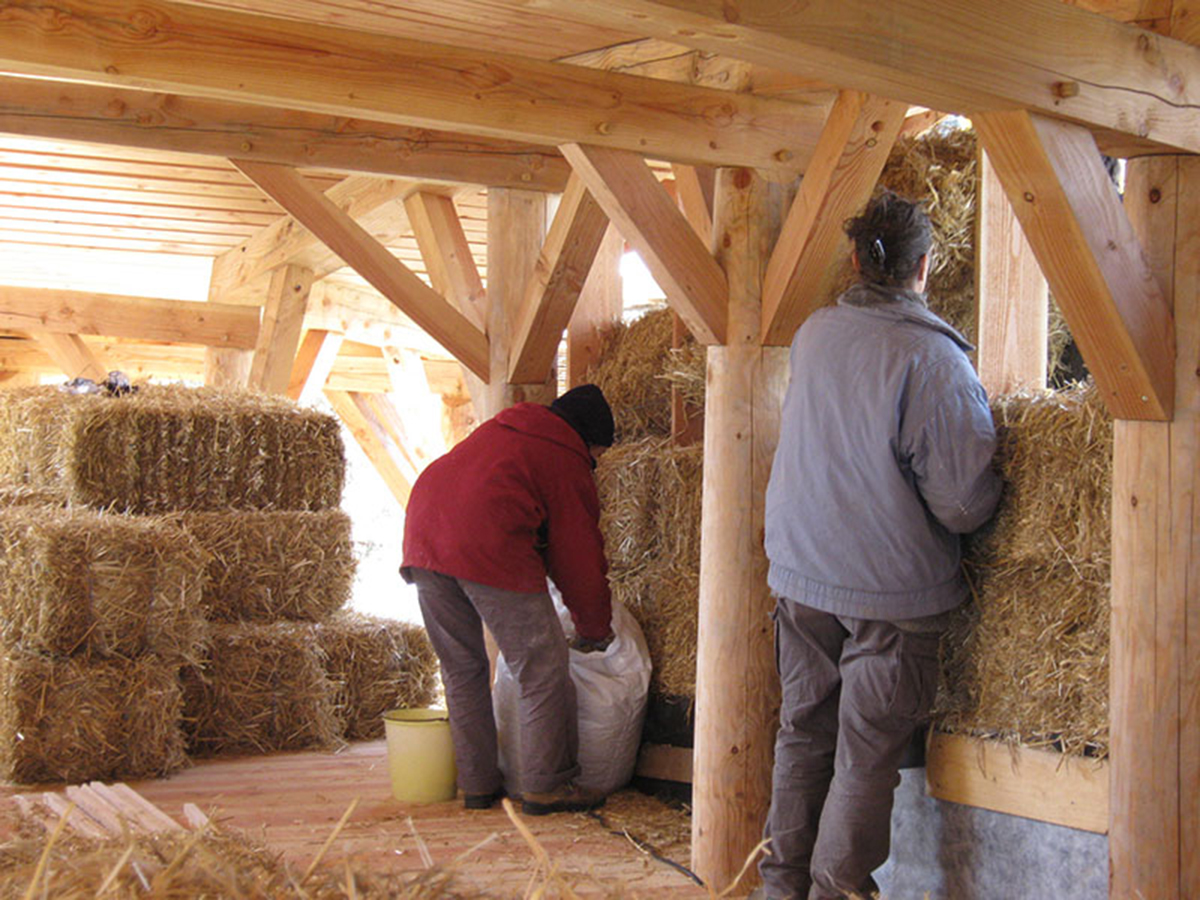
(878, 254)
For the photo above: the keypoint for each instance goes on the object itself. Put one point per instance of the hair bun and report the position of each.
(877, 251)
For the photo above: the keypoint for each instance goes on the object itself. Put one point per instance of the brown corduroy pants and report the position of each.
(528, 633)
(854, 690)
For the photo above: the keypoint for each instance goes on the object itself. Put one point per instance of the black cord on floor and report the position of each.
(646, 848)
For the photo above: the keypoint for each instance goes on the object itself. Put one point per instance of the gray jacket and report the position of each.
(884, 458)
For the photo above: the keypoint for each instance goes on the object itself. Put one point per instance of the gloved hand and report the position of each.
(583, 645)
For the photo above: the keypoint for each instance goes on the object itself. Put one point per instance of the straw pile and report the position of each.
(263, 688)
(1028, 661)
(650, 496)
(74, 581)
(168, 448)
(378, 664)
(266, 566)
(67, 719)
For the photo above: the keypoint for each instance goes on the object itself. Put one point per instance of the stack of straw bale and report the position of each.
(97, 613)
(378, 664)
(1028, 661)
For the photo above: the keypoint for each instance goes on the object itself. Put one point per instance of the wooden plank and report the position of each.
(332, 70)
(1185, 470)
(665, 763)
(556, 282)
(599, 308)
(79, 312)
(279, 335)
(314, 361)
(949, 55)
(446, 254)
(95, 806)
(79, 821)
(135, 801)
(288, 241)
(1035, 784)
(694, 192)
(371, 260)
(1011, 293)
(75, 358)
(370, 436)
(1073, 218)
(679, 261)
(173, 122)
(812, 248)
(736, 716)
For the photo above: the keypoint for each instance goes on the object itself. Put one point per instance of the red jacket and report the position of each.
(475, 513)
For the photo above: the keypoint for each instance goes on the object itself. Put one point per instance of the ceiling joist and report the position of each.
(217, 54)
(369, 258)
(1090, 254)
(1139, 90)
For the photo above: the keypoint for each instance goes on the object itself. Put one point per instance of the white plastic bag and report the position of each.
(610, 689)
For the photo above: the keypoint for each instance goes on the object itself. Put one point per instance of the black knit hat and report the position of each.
(585, 409)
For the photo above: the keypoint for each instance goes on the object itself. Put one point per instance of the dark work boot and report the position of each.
(569, 797)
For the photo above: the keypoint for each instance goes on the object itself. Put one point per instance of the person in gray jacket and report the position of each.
(884, 459)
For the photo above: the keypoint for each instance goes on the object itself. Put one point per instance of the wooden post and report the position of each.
(279, 333)
(516, 230)
(736, 686)
(598, 310)
(1155, 752)
(1012, 294)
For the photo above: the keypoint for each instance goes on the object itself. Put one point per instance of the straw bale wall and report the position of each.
(74, 719)
(266, 566)
(262, 688)
(170, 448)
(377, 664)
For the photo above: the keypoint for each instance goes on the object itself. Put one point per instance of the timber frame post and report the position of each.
(736, 685)
(1154, 810)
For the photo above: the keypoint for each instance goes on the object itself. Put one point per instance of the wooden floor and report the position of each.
(293, 801)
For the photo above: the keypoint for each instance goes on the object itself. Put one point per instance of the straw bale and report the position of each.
(1055, 454)
(269, 565)
(650, 493)
(262, 689)
(1028, 663)
(379, 664)
(632, 361)
(23, 495)
(169, 448)
(71, 719)
(76, 581)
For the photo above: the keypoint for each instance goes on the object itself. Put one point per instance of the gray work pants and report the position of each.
(528, 633)
(854, 690)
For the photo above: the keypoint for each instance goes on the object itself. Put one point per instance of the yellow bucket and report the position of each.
(420, 755)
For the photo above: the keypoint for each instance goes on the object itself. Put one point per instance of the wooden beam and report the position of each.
(314, 361)
(812, 249)
(664, 763)
(680, 262)
(556, 282)
(418, 409)
(599, 308)
(102, 114)
(694, 193)
(366, 200)
(949, 55)
(75, 358)
(1092, 259)
(364, 315)
(447, 256)
(1011, 293)
(1035, 784)
(205, 52)
(147, 318)
(365, 428)
(736, 716)
(279, 336)
(371, 260)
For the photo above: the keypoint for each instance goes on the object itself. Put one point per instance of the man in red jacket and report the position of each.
(486, 523)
